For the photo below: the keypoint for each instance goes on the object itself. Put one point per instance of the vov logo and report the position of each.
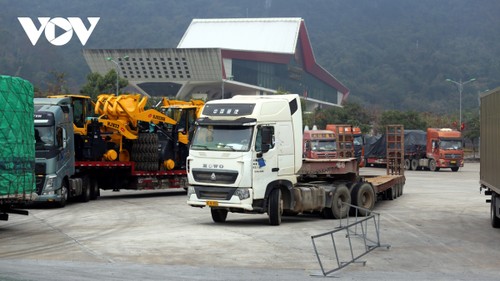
(67, 26)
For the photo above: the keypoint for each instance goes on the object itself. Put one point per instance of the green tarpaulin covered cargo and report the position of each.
(17, 147)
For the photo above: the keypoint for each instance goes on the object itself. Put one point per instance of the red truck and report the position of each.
(443, 149)
(319, 144)
(432, 150)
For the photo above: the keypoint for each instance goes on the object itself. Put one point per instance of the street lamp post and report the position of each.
(118, 70)
(460, 86)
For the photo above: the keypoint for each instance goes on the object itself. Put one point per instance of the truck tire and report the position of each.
(433, 166)
(407, 164)
(94, 189)
(85, 196)
(218, 215)
(390, 193)
(454, 169)
(363, 196)
(274, 207)
(145, 152)
(414, 164)
(64, 195)
(495, 221)
(339, 210)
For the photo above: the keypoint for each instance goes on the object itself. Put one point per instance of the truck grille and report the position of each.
(215, 176)
(326, 155)
(452, 156)
(217, 193)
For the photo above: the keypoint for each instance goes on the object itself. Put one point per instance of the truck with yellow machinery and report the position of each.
(17, 156)
(247, 157)
(112, 143)
(489, 177)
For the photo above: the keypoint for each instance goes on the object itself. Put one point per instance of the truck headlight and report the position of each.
(50, 183)
(190, 191)
(242, 193)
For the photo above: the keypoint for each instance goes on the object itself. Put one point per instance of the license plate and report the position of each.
(212, 203)
(453, 162)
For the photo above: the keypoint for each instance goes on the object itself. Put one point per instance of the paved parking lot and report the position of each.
(439, 229)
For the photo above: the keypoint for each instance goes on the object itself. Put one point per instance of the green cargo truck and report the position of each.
(17, 142)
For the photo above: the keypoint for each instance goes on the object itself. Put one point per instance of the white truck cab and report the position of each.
(245, 153)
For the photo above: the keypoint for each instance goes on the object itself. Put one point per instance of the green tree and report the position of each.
(411, 120)
(58, 85)
(98, 84)
(354, 114)
(472, 130)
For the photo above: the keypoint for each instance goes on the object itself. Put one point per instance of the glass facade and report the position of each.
(288, 78)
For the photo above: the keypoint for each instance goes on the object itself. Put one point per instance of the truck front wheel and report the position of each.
(433, 166)
(274, 207)
(64, 196)
(219, 215)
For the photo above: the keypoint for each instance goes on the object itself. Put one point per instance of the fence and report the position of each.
(361, 234)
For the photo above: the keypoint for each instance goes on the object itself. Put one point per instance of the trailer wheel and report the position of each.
(495, 221)
(219, 215)
(363, 196)
(414, 164)
(400, 189)
(390, 193)
(274, 207)
(94, 189)
(407, 164)
(341, 195)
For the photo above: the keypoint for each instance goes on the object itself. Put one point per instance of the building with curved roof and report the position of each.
(219, 58)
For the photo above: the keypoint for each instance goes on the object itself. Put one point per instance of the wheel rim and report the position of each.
(64, 193)
(432, 165)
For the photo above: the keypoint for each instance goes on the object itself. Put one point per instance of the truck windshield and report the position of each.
(358, 140)
(324, 145)
(44, 137)
(222, 138)
(450, 144)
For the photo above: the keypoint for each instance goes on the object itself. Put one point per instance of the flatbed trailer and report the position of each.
(125, 175)
(389, 186)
